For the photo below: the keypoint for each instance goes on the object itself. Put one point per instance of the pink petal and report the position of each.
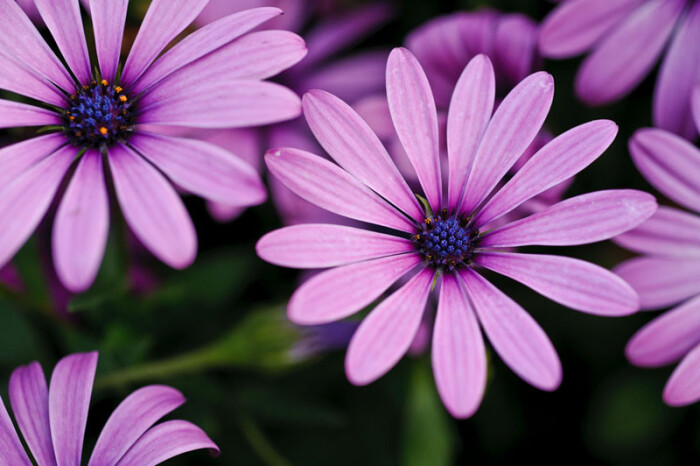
(470, 111)
(669, 233)
(15, 77)
(15, 114)
(571, 282)
(459, 354)
(203, 169)
(577, 25)
(683, 388)
(516, 337)
(511, 130)
(671, 164)
(515, 47)
(328, 186)
(25, 200)
(583, 219)
(81, 225)
(11, 449)
(679, 74)
(166, 441)
(17, 158)
(667, 338)
(696, 106)
(295, 12)
(661, 282)
(153, 209)
(29, 396)
(387, 332)
(318, 246)
(203, 42)
(63, 19)
(351, 143)
(338, 293)
(625, 57)
(229, 104)
(69, 401)
(413, 110)
(132, 418)
(555, 163)
(108, 19)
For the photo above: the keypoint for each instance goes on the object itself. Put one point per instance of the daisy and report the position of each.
(447, 236)
(625, 39)
(53, 419)
(667, 274)
(211, 79)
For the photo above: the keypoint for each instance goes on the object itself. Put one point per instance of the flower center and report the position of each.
(98, 114)
(446, 242)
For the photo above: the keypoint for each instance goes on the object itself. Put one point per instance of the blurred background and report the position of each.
(272, 394)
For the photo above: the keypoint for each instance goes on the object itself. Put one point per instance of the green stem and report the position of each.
(261, 445)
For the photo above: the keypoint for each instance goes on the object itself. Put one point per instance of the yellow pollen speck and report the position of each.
(104, 82)
(122, 98)
(72, 118)
(103, 131)
(118, 89)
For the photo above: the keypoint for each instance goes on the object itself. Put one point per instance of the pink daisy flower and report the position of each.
(625, 39)
(449, 238)
(52, 420)
(668, 272)
(211, 79)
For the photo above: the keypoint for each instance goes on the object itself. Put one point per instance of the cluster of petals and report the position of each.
(52, 420)
(625, 39)
(365, 185)
(667, 273)
(213, 78)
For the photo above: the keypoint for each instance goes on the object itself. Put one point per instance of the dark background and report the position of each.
(217, 332)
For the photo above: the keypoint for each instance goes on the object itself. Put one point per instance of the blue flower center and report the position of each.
(446, 242)
(97, 115)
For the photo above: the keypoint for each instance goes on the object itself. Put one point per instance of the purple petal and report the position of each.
(15, 77)
(556, 162)
(164, 20)
(132, 418)
(625, 57)
(469, 115)
(679, 74)
(63, 19)
(669, 233)
(29, 396)
(295, 12)
(459, 354)
(667, 338)
(511, 130)
(582, 219)
(25, 200)
(351, 143)
(374, 110)
(11, 449)
(671, 164)
(515, 47)
(330, 187)
(108, 19)
(516, 337)
(203, 169)
(386, 333)
(413, 110)
(661, 282)
(696, 106)
(338, 293)
(202, 42)
(165, 441)
(319, 246)
(81, 225)
(231, 104)
(18, 158)
(683, 388)
(571, 282)
(15, 114)
(69, 401)
(577, 25)
(152, 208)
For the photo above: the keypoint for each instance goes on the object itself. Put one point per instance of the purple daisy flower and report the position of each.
(626, 39)
(450, 237)
(211, 79)
(668, 272)
(52, 420)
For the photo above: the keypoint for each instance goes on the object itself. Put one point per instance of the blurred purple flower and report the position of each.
(451, 237)
(668, 272)
(211, 79)
(626, 38)
(52, 420)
